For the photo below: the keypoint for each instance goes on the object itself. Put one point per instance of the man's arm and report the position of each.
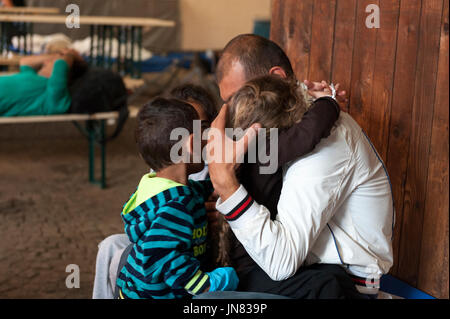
(311, 192)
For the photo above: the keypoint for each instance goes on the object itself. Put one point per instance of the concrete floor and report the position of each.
(50, 216)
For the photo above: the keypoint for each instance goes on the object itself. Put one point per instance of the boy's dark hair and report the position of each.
(256, 54)
(198, 94)
(155, 122)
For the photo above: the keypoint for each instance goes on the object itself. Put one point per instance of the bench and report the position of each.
(94, 130)
(11, 63)
(395, 287)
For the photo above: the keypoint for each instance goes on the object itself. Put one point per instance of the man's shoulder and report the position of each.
(331, 153)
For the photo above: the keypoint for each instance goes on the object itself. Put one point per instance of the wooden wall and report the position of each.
(397, 80)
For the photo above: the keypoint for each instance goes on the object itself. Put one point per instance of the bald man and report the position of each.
(334, 215)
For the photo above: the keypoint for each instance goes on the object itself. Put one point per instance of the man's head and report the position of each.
(246, 57)
(155, 123)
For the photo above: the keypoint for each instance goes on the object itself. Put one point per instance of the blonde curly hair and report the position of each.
(269, 100)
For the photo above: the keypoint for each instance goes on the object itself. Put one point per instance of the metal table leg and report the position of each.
(97, 136)
(95, 132)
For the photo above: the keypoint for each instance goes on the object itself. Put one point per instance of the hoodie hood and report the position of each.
(140, 210)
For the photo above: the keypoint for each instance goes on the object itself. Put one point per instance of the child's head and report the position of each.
(155, 123)
(269, 100)
(199, 98)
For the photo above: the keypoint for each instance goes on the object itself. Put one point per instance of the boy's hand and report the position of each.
(318, 88)
(223, 279)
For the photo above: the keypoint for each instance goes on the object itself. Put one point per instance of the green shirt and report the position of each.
(28, 93)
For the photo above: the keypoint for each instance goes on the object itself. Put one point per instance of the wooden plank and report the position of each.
(344, 36)
(66, 117)
(379, 111)
(132, 84)
(30, 10)
(433, 268)
(13, 61)
(58, 118)
(277, 33)
(402, 102)
(363, 67)
(292, 23)
(422, 117)
(90, 20)
(322, 37)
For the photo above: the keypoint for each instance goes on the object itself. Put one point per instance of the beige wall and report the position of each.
(210, 24)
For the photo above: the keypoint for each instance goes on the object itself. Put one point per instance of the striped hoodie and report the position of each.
(169, 232)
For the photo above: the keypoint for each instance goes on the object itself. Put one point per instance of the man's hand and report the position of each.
(224, 155)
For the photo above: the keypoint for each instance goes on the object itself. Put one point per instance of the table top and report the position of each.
(90, 20)
(30, 10)
(14, 60)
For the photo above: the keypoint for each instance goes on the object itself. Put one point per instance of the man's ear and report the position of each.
(278, 70)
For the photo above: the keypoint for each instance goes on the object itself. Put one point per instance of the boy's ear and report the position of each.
(190, 144)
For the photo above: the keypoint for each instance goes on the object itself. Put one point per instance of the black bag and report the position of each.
(100, 90)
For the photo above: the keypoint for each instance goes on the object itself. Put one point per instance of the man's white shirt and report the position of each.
(335, 207)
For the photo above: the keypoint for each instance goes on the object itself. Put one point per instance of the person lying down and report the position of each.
(42, 85)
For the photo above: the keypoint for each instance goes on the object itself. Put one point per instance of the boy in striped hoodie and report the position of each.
(165, 218)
